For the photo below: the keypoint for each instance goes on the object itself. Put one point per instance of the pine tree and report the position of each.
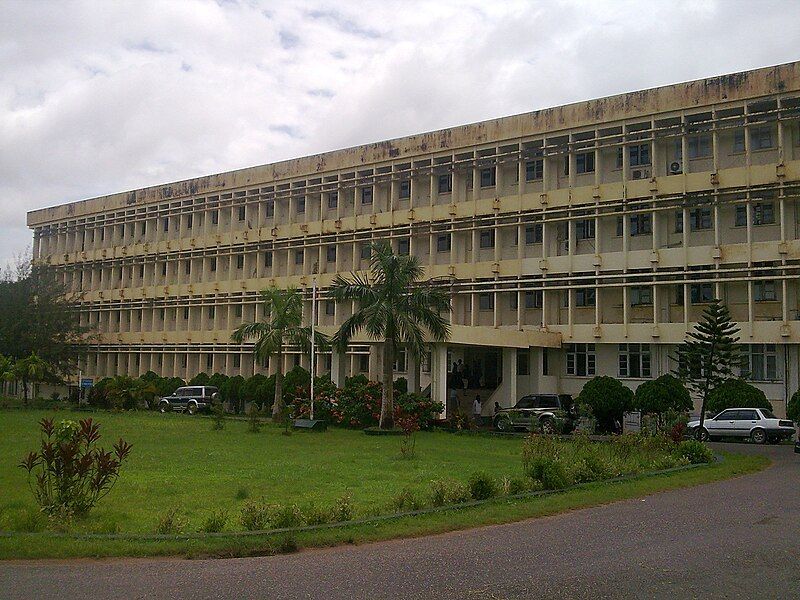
(709, 354)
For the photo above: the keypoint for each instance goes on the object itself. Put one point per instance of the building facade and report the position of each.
(579, 240)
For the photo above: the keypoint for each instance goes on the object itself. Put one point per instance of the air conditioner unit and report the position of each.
(676, 167)
(640, 174)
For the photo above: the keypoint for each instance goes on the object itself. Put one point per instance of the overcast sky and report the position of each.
(100, 97)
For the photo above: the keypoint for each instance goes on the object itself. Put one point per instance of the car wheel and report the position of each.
(191, 408)
(548, 427)
(758, 436)
(702, 435)
(502, 423)
(163, 407)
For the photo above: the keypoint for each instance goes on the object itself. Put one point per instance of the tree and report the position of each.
(282, 326)
(394, 308)
(661, 395)
(126, 392)
(608, 400)
(38, 317)
(709, 354)
(30, 369)
(736, 393)
(793, 408)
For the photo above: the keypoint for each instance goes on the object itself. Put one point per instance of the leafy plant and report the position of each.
(409, 425)
(710, 353)
(171, 522)
(793, 408)
(662, 395)
(253, 418)
(218, 413)
(288, 515)
(216, 521)
(735, 393)
(343, 509)
(254, 515)
(70, 473)
(406, 499)
(242, 493)
(445, 491)
(481, 486)
(695, 452)
(608, 399)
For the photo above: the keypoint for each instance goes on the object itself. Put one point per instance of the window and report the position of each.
(762, 362)
(638, 155)
(366, 195)
(165, 222)
(641, 225)
(242, 213)
(365, 251)
(443, 242)
(143, 228)
(268, 259)
(641, 296)
(487, 239)
(445, 183)
(634, 360)
(580, 359)
(209, 362)
(187, 267)
(213, 264)
(270, 209)
(523, 362)
(761, 138)
(485, 301)
(237, 310)
(534, 169)
(763, 213)
(699, 146)
(700, 293)
(363, 362)
(299, 257)
(765, 291)
(405, 188)
(237, 361)
(585, 297)
(533, 299)
(240, 261)
(584, 163)
(330, 254)
(534, 233)
(330, 308)
(164, 269)
(301, 205)
(404, 246)
(584, 229)
(426, 362)
(488, 177)
(699, 219)
(188, 221)
(211, 312)
(545, 362)
(513, 301)
(400, 365)
(215, 217)
(738, 140)
(333, 199)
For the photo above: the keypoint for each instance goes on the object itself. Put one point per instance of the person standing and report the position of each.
(477, 409)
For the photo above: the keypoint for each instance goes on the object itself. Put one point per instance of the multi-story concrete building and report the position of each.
(578, 240)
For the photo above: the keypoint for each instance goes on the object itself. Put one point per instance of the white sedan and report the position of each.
(758, 424)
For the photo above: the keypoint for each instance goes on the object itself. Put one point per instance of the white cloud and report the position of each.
(102, 97)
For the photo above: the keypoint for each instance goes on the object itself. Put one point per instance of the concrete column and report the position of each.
(439, 375)
(510, 373)
(339, 367)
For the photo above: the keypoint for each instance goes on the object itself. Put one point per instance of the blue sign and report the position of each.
(87, 382)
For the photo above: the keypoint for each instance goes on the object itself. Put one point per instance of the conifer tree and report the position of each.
(710, 353)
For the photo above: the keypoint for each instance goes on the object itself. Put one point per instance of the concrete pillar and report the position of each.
(439, 375)
(339, 364)
(510, 374)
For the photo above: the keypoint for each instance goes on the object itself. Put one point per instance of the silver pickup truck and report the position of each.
(758, 424)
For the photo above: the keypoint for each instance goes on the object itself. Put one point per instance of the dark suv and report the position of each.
(191, 399)
(544, 409)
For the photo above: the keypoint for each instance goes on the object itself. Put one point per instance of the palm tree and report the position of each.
(30, 369)
(282, 326)
(393, 307)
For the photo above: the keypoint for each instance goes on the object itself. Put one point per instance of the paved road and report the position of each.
(747, 544)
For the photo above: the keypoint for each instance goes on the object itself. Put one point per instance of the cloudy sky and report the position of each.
(104, 96)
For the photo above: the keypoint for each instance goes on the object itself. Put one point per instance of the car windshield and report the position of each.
(526, 402)
(768, 414)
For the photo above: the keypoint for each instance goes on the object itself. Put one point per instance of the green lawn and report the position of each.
(177, 461)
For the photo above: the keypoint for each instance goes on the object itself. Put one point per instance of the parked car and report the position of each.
(545, 409)
(191, 399)
(758, 424)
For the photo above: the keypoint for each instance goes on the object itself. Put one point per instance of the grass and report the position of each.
(179, 462)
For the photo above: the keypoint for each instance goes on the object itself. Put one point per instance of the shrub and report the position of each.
(406, 500)
(343, 509)
(510, 486)
(554, 476)
(171, 523)
(215, 522)
(255, 515)
(608, 399)
(695, 452)
(481, 486)
(218, 412)
(735, 393)
(231, 391)
(200, 379)
(288, 515)
(253, 418)
(316, 516)
(661, 395)
(70, 473)
(793, 408)
(410, 426)
(445, 491)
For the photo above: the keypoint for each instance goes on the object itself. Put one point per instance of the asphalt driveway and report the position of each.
(733, 539)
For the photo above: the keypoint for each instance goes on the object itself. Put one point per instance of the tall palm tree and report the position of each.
(395, 308)
(282, 326)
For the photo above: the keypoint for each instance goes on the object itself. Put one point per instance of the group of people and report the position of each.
(463, 377)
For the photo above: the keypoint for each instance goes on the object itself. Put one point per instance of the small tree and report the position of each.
(736, 393)
(31, 369)
(662, 395)
(608, 400)
(129, 393)
(709, 354)
(793, 408)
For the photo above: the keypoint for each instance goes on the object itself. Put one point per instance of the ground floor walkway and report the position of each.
(733, 539)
